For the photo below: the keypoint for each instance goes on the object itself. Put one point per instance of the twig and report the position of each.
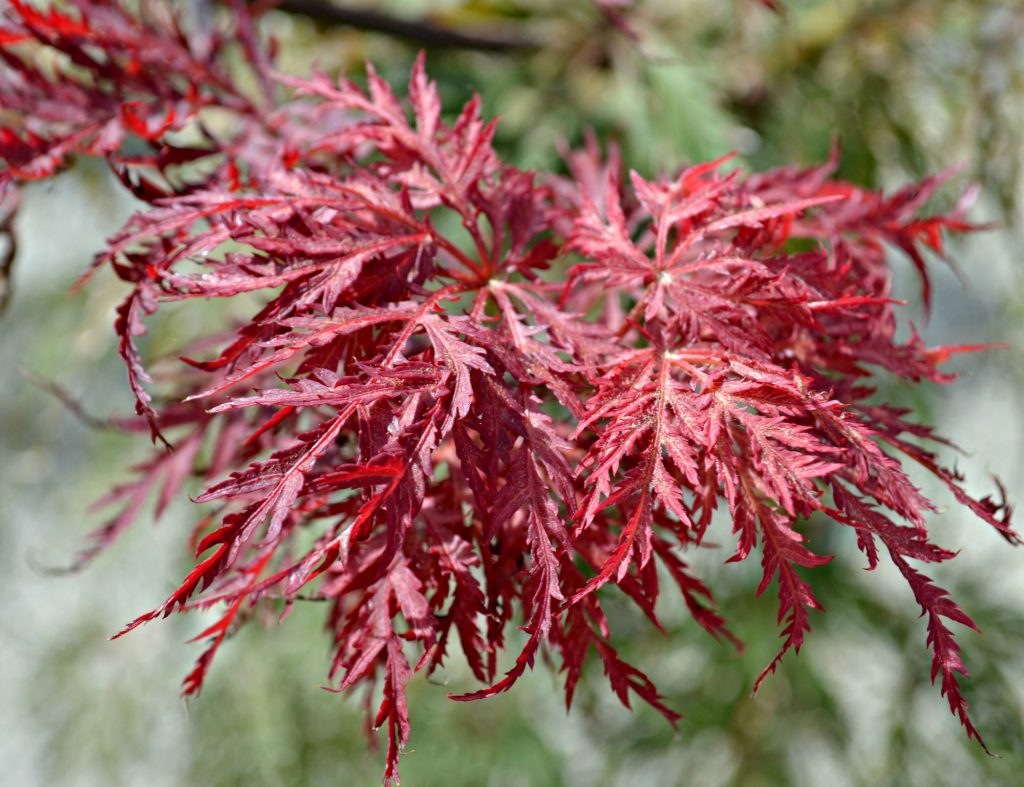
(72, 405)
(7, 237)
(426, 33)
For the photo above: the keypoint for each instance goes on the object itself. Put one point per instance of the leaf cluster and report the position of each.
(471, 396)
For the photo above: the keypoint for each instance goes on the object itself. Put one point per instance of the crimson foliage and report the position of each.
(472, 395)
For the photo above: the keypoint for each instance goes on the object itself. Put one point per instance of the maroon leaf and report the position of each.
(442, 432)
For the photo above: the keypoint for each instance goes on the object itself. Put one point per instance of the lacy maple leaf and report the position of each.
(485, 392)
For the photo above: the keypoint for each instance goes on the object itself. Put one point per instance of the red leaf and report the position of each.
(434, 427)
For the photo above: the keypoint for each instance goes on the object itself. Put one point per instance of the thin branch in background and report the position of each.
(6, 266)
(9, 247)
(420, 31)
(71, 404)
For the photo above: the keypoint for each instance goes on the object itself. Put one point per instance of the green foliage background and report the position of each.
(910, 87)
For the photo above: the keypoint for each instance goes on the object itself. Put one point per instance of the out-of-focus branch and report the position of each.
(422, 32)
(8, 241)
(71, 404)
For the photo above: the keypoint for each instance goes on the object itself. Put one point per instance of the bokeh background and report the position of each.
(909, 86)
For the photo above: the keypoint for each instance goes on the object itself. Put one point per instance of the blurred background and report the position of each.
(909, 86)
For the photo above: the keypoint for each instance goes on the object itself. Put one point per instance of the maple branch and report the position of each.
(67, 399)
(7, 265)
(8, 240)
(419, 31)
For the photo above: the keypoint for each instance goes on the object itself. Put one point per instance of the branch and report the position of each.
(420, 31)
(8, 241)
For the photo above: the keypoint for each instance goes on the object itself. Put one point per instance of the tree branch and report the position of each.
(420, 31)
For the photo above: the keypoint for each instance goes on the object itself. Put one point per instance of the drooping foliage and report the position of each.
(470, 396)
